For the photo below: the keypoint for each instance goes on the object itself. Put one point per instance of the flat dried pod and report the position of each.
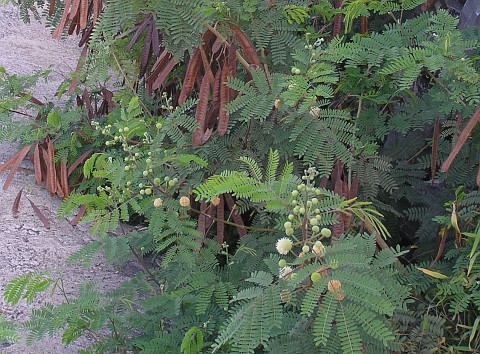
(39, 214)
(215, 103)
(81, 159)
(338, 20)
(47, 172)
(478, 176)
(139, 29)
(16, 164)
(32, 99)
(436, 135)
(59, 190)
(461, 140)
(80, 214)
(83, 13)
(202, 219)
(73, 25)
(190, 76)
(247, 47)
(9, 163)
(155, 39)
(223, 116)
(63, 177)
(51, 7)
(237, 218)
(364, 24)
(57, 33)
(88, 104)
(16, 204)
(164, 73)
(206, 67)
(81, 61)
(220, 237)
(232, 67)
(147, 46)
(86, 35)
(201, 111)
(37, 165)
(97, 8)
(74, 9)
(160, 63)
(206, 135)
(50, 163)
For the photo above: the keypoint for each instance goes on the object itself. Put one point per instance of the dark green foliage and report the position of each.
(354, 114)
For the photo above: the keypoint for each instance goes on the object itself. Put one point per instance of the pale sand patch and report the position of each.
(25, 245)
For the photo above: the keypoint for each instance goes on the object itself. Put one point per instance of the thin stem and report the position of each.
(265, 66)
(251, 228)
(140, 260)
(224, 41)
(130, 85)
(17, 112)
(445, 88)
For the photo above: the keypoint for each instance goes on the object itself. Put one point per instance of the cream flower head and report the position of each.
(285, 272)
(284, 245)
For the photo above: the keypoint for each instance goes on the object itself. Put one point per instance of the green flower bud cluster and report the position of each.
(306, 212)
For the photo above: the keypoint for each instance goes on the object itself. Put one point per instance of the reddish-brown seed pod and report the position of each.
(74, 9)
(247, 47)
(232, 67)
(237, 218)
(147, 45)
(223, 116)
(63, 179)
(16, 164)
(190, 76)
(83, 14)
(220, 224)
(51, 7)
(80, 214)
(50, 162)
(57, 33)
(364, 24)
(97, 8)
(338, 20)
(201, 111)
(461, 140)
(214, 105)
(164, 73)
(37, 165)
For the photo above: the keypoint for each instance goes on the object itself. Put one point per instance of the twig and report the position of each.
(251, 228)
(224, 41)
(445, 88)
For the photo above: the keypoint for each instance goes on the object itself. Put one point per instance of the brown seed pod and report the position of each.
(50, 162)
(51, 7)
(74, 9)
(190, 76)
(223, 116)
(201, 111)
(37, 165)
(247, 47)
(57, 33)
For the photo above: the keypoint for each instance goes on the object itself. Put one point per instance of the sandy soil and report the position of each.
(25, 245)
